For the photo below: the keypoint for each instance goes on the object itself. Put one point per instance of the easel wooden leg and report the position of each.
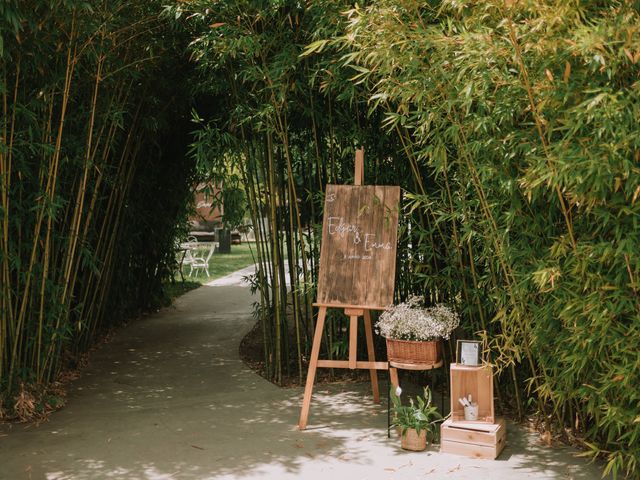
(353, 341)
(351, 363)
(393, 379)
(368, 330)
(313, 364)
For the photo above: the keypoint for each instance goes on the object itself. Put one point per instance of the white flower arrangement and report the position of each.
(411, 321)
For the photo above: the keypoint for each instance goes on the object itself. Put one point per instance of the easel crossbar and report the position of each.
(348, 307)
(359, 365)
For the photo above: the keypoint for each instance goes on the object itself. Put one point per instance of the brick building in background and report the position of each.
(206, 218)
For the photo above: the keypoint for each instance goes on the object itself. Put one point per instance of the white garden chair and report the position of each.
(202, 263)
(186, 257)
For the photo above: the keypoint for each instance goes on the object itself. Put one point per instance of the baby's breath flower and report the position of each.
(410, 321)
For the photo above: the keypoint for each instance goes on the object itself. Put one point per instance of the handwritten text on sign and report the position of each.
(337, 226)
(359, 236)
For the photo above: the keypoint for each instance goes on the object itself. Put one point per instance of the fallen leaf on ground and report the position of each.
(196, 446)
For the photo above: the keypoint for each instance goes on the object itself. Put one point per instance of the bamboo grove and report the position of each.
(91, 189)
(512, 127)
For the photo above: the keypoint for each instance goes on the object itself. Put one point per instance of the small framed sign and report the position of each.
(468, 352)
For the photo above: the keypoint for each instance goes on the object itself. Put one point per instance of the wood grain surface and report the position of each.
(358, 250)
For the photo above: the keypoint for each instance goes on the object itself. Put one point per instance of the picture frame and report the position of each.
(469, 352)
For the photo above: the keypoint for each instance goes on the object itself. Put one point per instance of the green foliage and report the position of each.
(419, 415)
(523, 120)
(278, 138)
(513, 128)
(93, 173)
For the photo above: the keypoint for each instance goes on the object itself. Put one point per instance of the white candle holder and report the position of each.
(471, 412)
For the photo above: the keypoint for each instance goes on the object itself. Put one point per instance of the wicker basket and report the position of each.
(406, 351)
(412, 441)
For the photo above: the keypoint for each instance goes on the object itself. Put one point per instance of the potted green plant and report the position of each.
(416, 422)
(414, 332)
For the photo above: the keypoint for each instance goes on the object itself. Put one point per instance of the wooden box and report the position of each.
(473, 439)
(477, 381)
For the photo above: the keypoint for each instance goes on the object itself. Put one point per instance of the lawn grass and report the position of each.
(221, 264)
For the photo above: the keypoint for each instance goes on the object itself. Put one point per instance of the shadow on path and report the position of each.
(169, 398)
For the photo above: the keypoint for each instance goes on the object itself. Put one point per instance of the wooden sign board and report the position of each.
(358, 250)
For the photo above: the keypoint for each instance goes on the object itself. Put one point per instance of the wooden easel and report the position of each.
(353, 312)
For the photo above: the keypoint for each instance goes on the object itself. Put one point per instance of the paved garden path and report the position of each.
(169, 398)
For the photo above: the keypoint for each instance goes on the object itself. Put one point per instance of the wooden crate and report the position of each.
(473, 439)
(477, 381)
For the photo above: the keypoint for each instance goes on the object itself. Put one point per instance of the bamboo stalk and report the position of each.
(456, 239)
(45, 261)
(6, 310)
(49, 194)
(275, 259)
(536, 117)
(80, 196)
